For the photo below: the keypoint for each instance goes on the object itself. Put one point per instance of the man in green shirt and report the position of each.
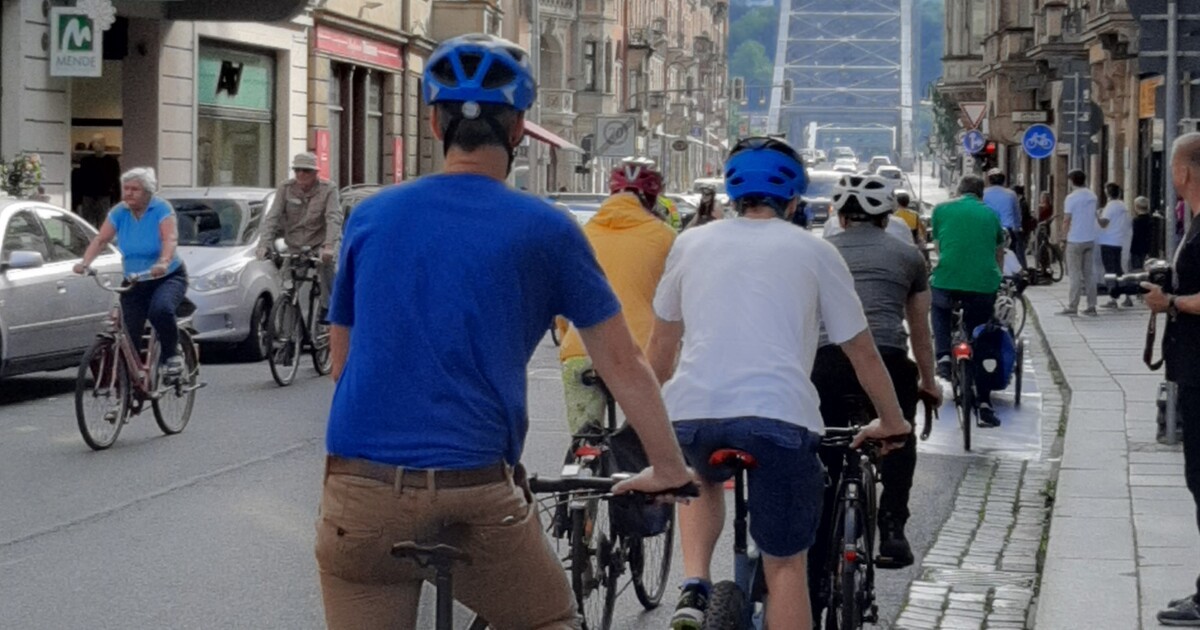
(970, 244)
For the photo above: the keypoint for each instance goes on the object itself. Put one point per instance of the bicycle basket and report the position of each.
(633, 516)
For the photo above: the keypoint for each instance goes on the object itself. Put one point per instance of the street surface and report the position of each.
(214, 528)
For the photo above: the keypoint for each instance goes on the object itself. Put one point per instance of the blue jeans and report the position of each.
(156, 300)
(978, 309)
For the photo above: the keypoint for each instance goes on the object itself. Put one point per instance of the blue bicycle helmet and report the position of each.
(765, 167)
(478, 68)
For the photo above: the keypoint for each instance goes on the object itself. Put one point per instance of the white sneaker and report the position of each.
(174, 368)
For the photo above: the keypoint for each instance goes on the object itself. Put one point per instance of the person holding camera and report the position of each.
(1179, 298)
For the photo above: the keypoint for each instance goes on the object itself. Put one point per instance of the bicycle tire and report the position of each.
(726, 607)
(1020, 314)
(965, 401)
(285, 319)
(849, 613)
(593, 576)
(1056, 264)
(173, 408)
(867, 605)
(653, 553)
(102, 365)
(1020, 368)
(318, 336)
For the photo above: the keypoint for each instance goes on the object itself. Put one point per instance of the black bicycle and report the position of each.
(603, 540)
(850, 595)
(1048, 260)
(962, 373)
(294, 330)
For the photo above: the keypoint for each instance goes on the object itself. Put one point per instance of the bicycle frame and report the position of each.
(747, 560)
(145, 372)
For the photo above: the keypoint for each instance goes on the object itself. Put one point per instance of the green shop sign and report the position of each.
(235, 79)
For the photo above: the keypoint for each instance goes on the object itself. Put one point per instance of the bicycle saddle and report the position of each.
(732, 458)
(426, 555)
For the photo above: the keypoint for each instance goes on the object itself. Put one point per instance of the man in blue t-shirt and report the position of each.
(1007, 206)
(445, 287)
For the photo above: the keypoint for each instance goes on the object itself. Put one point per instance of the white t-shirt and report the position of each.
(896, 227)
(1120, 225)
(1081, 206)
(752, 294)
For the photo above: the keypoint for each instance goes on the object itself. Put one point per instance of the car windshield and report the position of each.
(210, 222)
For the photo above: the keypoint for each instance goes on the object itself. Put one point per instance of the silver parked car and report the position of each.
(48, 314)
(232, 289)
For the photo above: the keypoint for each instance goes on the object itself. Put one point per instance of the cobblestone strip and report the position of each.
(982, 571)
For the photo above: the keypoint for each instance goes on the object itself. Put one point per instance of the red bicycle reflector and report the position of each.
(851, 556)
(587, 450)
(962, 351)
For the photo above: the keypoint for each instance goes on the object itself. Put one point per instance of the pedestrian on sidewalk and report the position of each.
(1142, 241)
(1007, 206)
(1083, 228)
(1116, 232)
(1181, 344)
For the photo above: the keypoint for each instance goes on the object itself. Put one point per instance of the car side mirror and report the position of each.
(23, 259)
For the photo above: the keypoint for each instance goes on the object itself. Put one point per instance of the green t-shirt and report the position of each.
(967, 233)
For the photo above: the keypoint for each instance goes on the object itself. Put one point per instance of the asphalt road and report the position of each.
(213, 528)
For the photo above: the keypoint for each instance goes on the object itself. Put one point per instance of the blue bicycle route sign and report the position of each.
(973, 141)
(1039, 141)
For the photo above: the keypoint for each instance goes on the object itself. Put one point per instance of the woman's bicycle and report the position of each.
(116, 381)
(847, 588)
(443, 558)
(1048, 261)
(291, 329)
(603, 537)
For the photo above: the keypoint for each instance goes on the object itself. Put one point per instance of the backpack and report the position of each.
(633, 516)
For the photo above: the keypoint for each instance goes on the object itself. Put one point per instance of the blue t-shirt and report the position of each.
(138, 239)
(1005, 204)
(448, 283)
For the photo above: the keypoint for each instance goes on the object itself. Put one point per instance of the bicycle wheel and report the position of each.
(848, 575)
(286, 335)
(1020, 312)
(965, 400)
(318, 336)
(1020, 368)
(650, 564)
(173, 406)
(1057, 266)
(726, 607)
(101, 394)
(593, 574)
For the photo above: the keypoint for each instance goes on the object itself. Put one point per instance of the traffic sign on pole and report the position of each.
(973, 112)
(616, 136)
(973, 142)
(1039, 142)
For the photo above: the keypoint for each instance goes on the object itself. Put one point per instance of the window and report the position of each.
(24, 233)
(357, 100)
(373, 142)
(235, 91)
(335, 123)
(589, 66)
(67, 240)
(608, 67)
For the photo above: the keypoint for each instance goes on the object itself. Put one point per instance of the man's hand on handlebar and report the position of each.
(931, 393)
(326, 254)
(650, 481)
(890, 436)
(81, 268)
(262, 252)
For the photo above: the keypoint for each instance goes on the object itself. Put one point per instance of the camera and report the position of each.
(1155, 271)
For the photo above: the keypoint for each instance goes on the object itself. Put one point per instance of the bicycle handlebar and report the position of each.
(540, 485)
(132, 279)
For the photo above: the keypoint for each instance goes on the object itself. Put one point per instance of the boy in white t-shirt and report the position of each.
(746, 297)
(1116, 232)
(1083, 228)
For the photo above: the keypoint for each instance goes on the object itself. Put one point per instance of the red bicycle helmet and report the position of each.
(637, 175)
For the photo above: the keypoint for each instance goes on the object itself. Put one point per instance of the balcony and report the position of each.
(558, 8)
(640, 39)
(557, 101)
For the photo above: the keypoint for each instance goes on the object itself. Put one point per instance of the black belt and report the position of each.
(416, 477)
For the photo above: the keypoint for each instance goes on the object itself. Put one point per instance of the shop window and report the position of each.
(235, 141)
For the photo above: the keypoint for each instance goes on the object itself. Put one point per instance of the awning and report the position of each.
(540, 133)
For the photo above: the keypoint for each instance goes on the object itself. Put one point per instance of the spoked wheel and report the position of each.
(318, 335)
(726, 607)
(101, 394)
(650, 564)
(849, 576)
(1020, 368)
(593, 567)
(964, 399)
(1055, 267)
(1020, 311)
(173, 407)
(287, 333)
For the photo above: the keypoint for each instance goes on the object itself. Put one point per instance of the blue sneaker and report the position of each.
(693, 603)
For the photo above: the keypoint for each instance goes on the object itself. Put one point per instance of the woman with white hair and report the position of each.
(146, 232)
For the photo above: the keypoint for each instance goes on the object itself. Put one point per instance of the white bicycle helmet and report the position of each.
(871, 192)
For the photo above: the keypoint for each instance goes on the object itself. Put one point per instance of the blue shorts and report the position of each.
(785, 491)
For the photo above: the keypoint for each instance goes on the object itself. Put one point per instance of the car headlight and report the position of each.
(219, 279)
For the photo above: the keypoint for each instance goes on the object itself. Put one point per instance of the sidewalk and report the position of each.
(1123, 539)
